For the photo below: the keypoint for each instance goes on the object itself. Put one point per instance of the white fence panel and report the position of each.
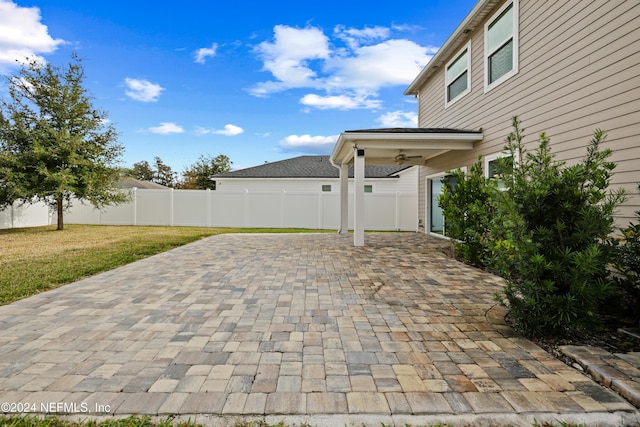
(227, 208)
(86, 214)
(264, 209)
(19, 216)
(231, 208)
(154, 207)
(302, 210)
(191, 207)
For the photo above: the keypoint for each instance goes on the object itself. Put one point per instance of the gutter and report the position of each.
(455, 40)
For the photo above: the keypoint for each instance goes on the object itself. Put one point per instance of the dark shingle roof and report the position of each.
(129, 182)
(309, 167)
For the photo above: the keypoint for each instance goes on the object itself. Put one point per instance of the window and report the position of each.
(495, 168)
(458, 76)
(368, 188)
(501, 45)
(326, 188)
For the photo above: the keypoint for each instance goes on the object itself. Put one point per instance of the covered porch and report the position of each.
(405, 146)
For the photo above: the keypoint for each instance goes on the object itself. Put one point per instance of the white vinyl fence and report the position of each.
(205, 208)
(18, 216)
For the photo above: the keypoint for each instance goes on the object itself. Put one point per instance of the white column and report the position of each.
(358, 195)
(344, 198)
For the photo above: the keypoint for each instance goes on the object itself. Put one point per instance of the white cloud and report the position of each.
(399, 119)
(288, 58)
(167, 128)
(229, 130)
(23, 35)
(142, 90)
(309, 144)
(202, 53)
(355, 37)
(390, 63)
(340, 102)
(348, 76)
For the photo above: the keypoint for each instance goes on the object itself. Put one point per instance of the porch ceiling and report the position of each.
(406, 146)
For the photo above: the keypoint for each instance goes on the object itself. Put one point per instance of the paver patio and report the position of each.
(294, 327)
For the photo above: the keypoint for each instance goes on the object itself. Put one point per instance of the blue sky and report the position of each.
(256, 81)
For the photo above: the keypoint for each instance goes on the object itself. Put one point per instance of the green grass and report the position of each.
(33, 260)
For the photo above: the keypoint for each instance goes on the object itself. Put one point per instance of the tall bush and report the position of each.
(626, 265)
(550, 236)
(467, 207)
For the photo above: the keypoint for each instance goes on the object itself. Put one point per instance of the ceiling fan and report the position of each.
(401, 157)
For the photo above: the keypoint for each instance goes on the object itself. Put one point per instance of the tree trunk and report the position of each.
(60, 207)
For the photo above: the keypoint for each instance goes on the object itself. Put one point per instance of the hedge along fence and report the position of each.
(206, 208)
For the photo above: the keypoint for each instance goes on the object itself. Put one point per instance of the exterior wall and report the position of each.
(579, 69)
(407, 181)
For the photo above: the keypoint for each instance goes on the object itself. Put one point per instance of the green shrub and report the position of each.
(467, 207)
(626, 265)
(550, 236)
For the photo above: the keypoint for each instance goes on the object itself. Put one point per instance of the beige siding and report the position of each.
(579, 69)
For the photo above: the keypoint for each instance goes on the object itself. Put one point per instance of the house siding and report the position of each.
(579, 69)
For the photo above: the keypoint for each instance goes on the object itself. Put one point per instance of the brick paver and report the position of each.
(290, 325)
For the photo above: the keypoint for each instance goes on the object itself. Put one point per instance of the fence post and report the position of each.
(397, 210)
(171, 198)
(246, 208)
(283, 207)
(208, 194)
(320, 210)
(135, 207)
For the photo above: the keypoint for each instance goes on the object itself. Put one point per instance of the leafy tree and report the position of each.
(198, 175)
(160, 173)
(54, 145)
(142, 171)
(163, 174)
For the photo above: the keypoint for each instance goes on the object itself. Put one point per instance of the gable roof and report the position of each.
(309, 167)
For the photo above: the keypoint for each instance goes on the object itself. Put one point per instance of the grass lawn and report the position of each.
(33, 260)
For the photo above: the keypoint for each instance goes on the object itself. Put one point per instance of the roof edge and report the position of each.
(432, 66)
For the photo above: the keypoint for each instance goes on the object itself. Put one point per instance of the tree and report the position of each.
(198, 175)
(142, 171)
(54, 145)
(160, 173)
(163, 174)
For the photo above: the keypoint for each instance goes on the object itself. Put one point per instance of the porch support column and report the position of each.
(344, 198)
(358, 195)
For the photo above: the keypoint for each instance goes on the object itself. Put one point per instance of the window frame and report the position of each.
(514, 36)
(427, 202)
(495, 156)
(447, 82)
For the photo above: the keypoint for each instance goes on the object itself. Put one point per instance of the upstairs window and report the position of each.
(501, 45)
(458, 76)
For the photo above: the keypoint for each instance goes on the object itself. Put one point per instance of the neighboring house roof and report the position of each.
(128, 182)
(309, 167)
